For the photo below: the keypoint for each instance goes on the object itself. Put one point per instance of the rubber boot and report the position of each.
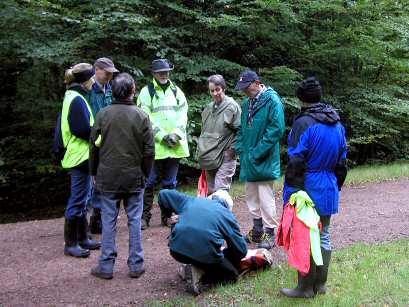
(322, 273)
(147, 207)
(72, 248)
(84, 236)
(305, 287)
(95, 223)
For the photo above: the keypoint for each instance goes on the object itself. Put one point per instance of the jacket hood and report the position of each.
(322, 112)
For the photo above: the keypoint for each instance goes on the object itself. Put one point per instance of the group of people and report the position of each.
(119, 147)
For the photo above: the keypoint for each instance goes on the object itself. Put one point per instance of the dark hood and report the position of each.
(322, 112)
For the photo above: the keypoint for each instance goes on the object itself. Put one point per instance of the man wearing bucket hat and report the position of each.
(166, 105)
(100, 97)
(262, 126)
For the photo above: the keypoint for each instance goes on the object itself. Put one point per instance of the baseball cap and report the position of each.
(106, 64)
(246, 78)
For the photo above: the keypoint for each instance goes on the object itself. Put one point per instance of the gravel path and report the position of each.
(34, 270)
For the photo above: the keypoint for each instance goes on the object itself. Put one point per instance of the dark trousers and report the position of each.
(164, 170)
(221, 272)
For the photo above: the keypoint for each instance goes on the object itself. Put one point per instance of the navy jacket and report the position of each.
(204, 225)
(317, 157)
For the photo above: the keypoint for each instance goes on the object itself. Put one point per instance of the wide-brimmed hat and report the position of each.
(160, 65)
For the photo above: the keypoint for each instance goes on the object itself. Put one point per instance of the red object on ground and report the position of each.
(294, 236)
(202, 188)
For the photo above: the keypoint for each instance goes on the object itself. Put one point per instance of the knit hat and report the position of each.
(224, 196)
(309, 90)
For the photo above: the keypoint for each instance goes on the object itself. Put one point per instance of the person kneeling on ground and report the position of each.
(201, 227)
(121, 157)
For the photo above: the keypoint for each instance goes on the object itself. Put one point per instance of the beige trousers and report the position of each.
(261, 203)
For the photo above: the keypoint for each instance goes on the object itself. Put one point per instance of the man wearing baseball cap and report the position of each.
(100, 97)
(166, 105)
(262, 126)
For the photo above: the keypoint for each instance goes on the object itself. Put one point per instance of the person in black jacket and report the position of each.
(202, 228)
(121, 157)
(317, 164)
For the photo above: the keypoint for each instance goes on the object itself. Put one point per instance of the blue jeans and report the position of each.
(80, 186)
(325, 236)
(167, 169)
(109, 204)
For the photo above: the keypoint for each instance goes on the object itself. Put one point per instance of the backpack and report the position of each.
(58, 149)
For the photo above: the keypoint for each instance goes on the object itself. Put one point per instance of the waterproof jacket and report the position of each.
(204, 225)
(317, 157)
(258, 138)
(167, 110)
(100, 97)
(220, 123)
(122, 148)
(76, 122)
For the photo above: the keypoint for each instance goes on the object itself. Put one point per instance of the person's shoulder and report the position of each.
(302, 122)
(232, 102)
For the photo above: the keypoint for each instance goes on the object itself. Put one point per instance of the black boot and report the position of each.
(72, 247)
(322, 273)
(305, 287)
(84, 236)
(147, 207)
(95, 223)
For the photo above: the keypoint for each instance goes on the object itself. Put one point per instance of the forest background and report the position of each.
(358, 50)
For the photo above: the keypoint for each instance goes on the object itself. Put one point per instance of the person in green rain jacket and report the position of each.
(262, 127)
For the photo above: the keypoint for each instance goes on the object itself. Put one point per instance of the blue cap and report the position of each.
(246, 78)
(160, 65)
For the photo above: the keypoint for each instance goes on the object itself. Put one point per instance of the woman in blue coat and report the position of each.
(317, 164)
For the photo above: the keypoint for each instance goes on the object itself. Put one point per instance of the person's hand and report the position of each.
(173, 219)
(171, 139)
(229, 154)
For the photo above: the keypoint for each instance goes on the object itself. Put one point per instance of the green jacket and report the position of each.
(259, 136)
(121, 148)
(168, 114)
(219, 128)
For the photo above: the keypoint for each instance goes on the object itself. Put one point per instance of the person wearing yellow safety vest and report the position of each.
(76, 122)
(166, 105)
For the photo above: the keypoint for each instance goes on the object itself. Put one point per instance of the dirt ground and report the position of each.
(34, 270)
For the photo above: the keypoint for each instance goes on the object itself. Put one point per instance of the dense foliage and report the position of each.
(358, 49)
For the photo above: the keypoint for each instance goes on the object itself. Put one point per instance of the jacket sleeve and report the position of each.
(148, 147)
(232, 119)
(94, 145)
(78, 119)
(172, 201)
(236, 244)
(180, 127)
(297, 152)
(239, 137)
(274, 131)
(341, 167)
(144, 101)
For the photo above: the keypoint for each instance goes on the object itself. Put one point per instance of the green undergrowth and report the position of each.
(360, 275)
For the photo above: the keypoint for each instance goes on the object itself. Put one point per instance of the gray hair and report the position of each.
(122, 86)
(217, 80)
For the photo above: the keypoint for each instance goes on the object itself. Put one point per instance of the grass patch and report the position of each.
(357, 175)
(361, 275)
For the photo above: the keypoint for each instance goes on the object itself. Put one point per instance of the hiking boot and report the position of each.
(97, 272)
(144, 224)
(72, 248)
(267, 240)
(322, 273)
(254, 236)
(84, 235)
(136, 274)
(193, 278)
(95, 223)
(305, 287)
